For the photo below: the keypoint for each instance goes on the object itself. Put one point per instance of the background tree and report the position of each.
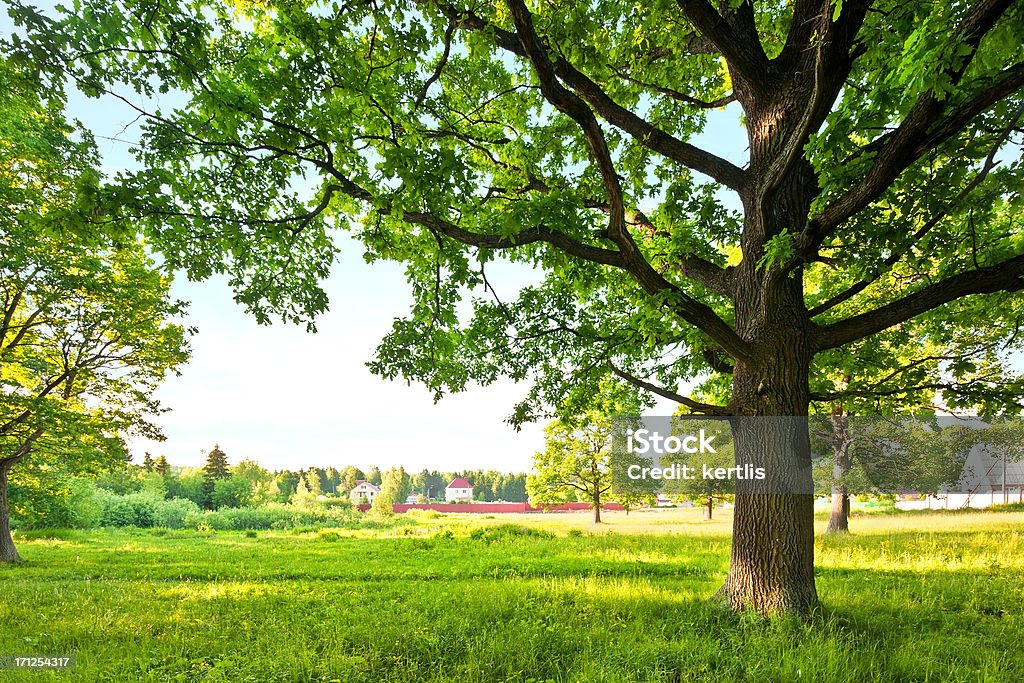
(332, 479)
(705, 492)
(231, 492)
(350, 474)
(187, 483)
(957, 362)
(307, 492)
(394, 488)
(85, 335)
(160, 466)
(575, 462)
(216, 467)
(461, 133)
(287, 485)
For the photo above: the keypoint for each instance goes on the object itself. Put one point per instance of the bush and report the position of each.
(118, 512)
(173, 513)
(136, 509)
(508, 532)
(241, 519)
(231, 492)
(85, 504)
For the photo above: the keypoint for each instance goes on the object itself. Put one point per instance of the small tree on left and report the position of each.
(85, 331)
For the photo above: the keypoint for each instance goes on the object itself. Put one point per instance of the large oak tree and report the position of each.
(879, 183)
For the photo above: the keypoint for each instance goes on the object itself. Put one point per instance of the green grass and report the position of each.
(514, 598)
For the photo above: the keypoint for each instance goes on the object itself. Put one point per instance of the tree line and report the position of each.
(219, 484)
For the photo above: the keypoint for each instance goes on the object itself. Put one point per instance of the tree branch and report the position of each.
(897, 254)
(741, 50)
(926, 126)
(640, 129)
(1006, 276)
(704, 408)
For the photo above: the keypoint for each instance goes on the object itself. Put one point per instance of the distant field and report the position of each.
(517, 598)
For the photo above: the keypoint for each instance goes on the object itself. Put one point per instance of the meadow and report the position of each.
(524, 598)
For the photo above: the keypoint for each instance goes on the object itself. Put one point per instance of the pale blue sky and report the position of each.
(289, 399)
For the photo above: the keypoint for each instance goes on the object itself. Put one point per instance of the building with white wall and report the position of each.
(459, 490)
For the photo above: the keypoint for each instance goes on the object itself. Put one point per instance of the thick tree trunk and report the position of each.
(771, 569)
(709, 506)
(772, 563)
(8, 553)
(839, 519)
(597, 508)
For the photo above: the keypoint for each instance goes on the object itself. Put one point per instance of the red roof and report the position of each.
(460, 483)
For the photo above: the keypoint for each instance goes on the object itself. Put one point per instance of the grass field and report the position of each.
(462, 598)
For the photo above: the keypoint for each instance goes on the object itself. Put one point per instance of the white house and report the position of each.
(363, 492)
(459, 489)
(988, 478)
(992, 477)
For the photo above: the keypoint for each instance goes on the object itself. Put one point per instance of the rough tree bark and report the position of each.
(839, 519)
(8, 553)
(772, 561)
(709, 506)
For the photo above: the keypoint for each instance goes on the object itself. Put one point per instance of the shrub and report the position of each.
(241, 519)
(173, 513)
(85, 504)
(118, 512)
(507, 532)
(194, 518)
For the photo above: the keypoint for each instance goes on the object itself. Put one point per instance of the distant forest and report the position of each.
(220, 484)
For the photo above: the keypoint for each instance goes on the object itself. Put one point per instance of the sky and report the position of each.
(291, 399)
(288, 398)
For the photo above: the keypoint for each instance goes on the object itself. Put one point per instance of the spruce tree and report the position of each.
(216, 467)
(161, 467)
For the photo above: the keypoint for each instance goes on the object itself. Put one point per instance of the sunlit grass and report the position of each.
(468, 598)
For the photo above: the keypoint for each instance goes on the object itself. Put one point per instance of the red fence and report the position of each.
(491, 508)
